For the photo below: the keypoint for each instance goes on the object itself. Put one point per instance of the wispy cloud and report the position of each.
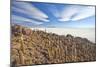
(84, 13)
(33, 15)
(75, 13)
(19, 19)
(30, 10)
(67, 13)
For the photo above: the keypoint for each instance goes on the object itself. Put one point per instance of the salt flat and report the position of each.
(88, 33)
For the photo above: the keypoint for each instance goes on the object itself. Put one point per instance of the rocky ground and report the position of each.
(29, 47)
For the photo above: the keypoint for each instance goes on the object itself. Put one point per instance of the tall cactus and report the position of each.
(22, 51)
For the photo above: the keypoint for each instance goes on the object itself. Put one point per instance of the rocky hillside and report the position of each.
(37, 47)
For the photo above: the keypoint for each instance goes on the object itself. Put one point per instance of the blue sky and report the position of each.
(35, 14)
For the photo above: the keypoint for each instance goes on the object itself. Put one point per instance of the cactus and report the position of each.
(39, 47)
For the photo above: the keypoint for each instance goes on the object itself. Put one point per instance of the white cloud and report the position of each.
(19, 19)
(64, 19)
(85, 13)
(75, 13)
(30, 10)
(68, 12)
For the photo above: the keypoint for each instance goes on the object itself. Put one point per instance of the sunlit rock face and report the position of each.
(29, 47)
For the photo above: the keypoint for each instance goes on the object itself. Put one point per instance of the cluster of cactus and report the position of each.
(30, 47)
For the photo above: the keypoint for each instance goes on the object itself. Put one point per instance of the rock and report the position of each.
(26, 31)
